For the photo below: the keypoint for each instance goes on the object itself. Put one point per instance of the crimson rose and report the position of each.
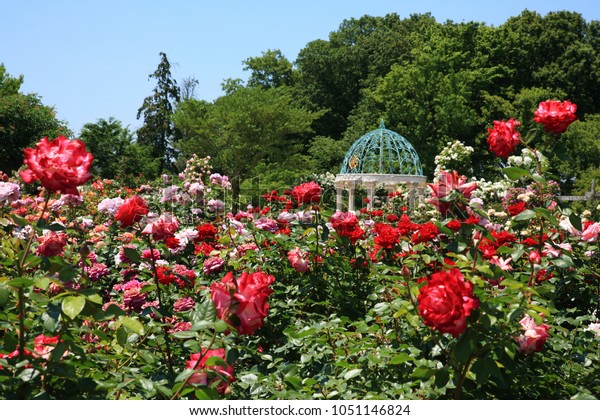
(503, 138)
(307, 193)
(132, 210)
(446, 301)
(555, 116)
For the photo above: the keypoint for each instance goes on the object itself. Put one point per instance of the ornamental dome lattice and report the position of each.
(382, 151)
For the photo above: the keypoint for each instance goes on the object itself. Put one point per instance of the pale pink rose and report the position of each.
(591, 233)
(566, 225)
(534, 337)
(504, 264)
(163, 227)
(298, 260)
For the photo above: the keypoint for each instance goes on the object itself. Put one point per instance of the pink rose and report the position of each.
(446, 184)
(51, 244)
(298, 260)
(223, 375)
(534, 337)
(60, 165)
(590, 234)
(162, 228)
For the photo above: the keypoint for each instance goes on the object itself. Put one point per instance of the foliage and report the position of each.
(158, 293)
(23, 121)
(158, 131)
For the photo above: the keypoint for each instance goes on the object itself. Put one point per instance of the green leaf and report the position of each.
(423, 372)
(42, 283)
(132, 254)
(55, 227)
(133, 325)
(73, 305)
(524, 215)
(215, 361)
(575, 221)
(4, 294)
(400, 358)
(546, 215)
(515, 173)
(20, 282)
(205, 312)
(19, 220)
(352, 373)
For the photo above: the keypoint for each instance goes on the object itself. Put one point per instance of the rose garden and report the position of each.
(478, 291)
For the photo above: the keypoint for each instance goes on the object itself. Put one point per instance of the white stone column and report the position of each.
(351, 197)
(339, 198)
(370, 186)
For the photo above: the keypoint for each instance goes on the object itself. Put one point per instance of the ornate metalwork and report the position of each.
(382, 151)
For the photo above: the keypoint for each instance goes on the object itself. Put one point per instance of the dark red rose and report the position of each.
(387, 236)
(132, 210)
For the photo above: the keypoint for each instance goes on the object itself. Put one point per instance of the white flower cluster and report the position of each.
(490, 192)
(454, 155)
(527, 160)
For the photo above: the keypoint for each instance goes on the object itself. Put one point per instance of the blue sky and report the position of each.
(91, 59)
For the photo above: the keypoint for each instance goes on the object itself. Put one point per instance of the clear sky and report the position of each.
(91, 59)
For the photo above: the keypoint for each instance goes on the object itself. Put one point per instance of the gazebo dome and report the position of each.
(380, 158)
(382, 151)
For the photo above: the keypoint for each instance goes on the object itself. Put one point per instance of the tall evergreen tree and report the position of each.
(158, 130)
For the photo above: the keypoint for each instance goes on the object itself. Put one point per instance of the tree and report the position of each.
(107, 140)
(23, 121)
(158, 130)
(243, 129)
(188, 88)
(271, 69)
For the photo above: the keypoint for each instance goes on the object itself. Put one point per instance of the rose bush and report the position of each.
(465, 295)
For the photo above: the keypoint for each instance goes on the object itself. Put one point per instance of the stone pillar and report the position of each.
(339, 198)
(351, 197)
(370, 186)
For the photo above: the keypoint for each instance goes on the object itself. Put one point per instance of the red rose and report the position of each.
(426, 232)
(555, 116)
(206, 233)
(516, 208)
(51, 244)
(223, 374)
(307, 193)
(406, 226)
(503, 138)
(245, 297)
(387, 236)
(252, 293)
(60, 165)
(446, 301)
(346, 224)
(221, 294)
(132, 210)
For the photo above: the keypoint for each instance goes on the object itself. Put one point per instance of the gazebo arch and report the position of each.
(382, 157)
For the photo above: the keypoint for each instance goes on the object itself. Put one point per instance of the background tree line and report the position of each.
(431, 82)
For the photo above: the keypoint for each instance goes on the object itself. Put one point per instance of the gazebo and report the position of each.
(380, 157)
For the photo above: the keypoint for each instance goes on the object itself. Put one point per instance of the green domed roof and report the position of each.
(382, 151)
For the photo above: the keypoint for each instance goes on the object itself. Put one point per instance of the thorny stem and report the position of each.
(21, 289)
(160, 303)
(186, 380)
(463, 376)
